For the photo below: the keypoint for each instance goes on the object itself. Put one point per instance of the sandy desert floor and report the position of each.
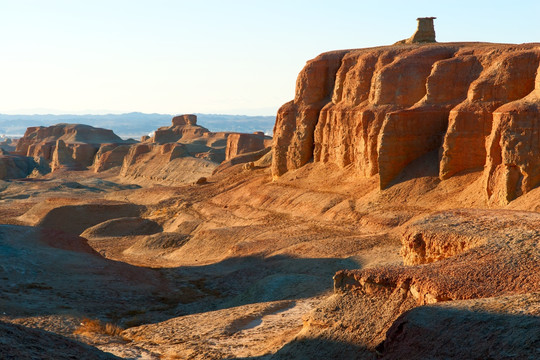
(242, 266)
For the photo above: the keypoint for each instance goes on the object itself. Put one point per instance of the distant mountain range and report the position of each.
(136, 124)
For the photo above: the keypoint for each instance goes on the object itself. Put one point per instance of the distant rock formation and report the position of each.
(70, 146)
(109, 156)
(379, 109)
(16, 166)
(7, 144)
(184, 127)
(186, 119)
(238, 144)
(182, 152)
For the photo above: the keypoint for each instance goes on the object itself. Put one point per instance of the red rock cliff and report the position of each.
(379, 109)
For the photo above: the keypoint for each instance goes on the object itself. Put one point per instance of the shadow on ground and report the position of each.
(308, 349)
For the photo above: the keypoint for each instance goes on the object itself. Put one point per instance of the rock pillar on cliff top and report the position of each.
(425, 33)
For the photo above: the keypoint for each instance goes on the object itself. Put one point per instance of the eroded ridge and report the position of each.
(379, 109)
(457, 255)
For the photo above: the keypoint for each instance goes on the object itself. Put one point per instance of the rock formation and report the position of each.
(425, 32)
(183, 152)
(109, 156)
(16, 166)
(70, 146)
(7, 144)
(238, 144)
(168, 163)
(380, 109)
(183, 127)
(463, 261)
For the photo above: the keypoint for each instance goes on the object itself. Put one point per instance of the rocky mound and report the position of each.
(38, 141)
(74, 216)
(506, 327)
(471, 254)
(50, 272)
(126, 226)
(168, 163)
(22, 343)
(183, 127)
(380, 109)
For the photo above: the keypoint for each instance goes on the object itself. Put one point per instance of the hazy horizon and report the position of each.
(237, 57)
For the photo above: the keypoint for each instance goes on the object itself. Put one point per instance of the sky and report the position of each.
(203, 56)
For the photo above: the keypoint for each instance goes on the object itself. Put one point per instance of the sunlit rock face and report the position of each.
(379, 109)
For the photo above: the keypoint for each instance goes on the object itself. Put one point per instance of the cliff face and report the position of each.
(379, 109)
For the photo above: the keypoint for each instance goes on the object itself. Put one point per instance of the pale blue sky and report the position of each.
(232, 57)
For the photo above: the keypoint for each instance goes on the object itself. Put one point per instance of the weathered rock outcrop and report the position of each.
(239, 143)
(468, 254)
(379, 109)
(425, 32)
(70, 146)
(183, 152)
(167, 163)
(16, 166)
(504, 327)
(38, 141)
(183, 127)
(109, 156)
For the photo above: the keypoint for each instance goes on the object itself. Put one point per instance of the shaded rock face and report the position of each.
(379, 109)
(238, 144)
(16, 166)
(73, 156)
(436, 331)
(19, 342)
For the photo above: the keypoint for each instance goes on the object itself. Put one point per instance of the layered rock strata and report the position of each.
(379, 109)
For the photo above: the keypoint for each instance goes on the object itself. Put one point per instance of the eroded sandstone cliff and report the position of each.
(379, 109)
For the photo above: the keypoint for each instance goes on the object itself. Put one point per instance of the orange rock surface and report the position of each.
(379, 109)
(238, 144)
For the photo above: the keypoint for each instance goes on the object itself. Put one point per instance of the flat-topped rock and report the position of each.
(380, 109)
(187, 119)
